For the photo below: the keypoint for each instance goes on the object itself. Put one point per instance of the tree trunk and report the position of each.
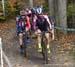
(56, 12)
(31, 3)
(62, 18)
(51, 7)
(62, 13)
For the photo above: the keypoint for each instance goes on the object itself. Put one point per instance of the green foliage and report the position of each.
(71, 10)
(71, 15)
(46, 7)
(2, 18)
(8, 11)
(17, 7)
(1, 12)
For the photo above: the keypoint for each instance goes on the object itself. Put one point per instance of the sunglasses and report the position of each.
(22, 15)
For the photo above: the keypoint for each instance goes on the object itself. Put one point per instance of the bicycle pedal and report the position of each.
(21, 51)
(39, 50)
(45, 62)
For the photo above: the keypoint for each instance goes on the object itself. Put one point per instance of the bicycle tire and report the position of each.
(25, 47)
(25, 44)
(44, 50)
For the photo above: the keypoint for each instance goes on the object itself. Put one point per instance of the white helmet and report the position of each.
(22, 12)
(39, 10)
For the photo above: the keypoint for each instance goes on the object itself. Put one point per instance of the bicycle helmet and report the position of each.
(22, 13)
(33, 11)
(28, 11)
(39, 10)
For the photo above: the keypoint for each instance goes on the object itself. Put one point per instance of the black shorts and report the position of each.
(42, 27)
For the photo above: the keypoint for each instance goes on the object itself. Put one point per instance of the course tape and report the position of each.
(65, 29)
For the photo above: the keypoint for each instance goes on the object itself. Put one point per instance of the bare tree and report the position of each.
(51, 7)
(31, 3)
(62, 13)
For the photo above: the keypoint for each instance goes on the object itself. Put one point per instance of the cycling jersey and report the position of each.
(22, 24)
(41, 23)
(29, 13)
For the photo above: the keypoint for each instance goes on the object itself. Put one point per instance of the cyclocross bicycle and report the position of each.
(44, 48)
(25, 42)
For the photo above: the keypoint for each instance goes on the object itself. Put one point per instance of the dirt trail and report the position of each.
(59, 57)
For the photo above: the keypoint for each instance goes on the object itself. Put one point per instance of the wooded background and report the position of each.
(62, 10)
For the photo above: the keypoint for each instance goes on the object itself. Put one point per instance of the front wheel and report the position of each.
(44, 52)
(25, 51)
(25, 47)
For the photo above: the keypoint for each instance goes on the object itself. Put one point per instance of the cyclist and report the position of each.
(51, 18)
(28, 12)
(41, 23)
(22, 24)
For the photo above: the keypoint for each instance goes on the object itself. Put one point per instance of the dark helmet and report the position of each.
(33, 11)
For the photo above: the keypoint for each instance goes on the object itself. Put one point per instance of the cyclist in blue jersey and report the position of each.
(22, 25)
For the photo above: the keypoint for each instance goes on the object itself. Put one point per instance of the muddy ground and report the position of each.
(62, 50)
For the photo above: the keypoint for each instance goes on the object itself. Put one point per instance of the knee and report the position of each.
(47, 35)
(20, 35)
(38, 32)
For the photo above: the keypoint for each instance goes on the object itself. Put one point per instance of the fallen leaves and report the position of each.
(64, 45)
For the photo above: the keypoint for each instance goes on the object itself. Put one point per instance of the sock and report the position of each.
(27, 37)
(48, 46)
(39, 45)
(21, 46)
